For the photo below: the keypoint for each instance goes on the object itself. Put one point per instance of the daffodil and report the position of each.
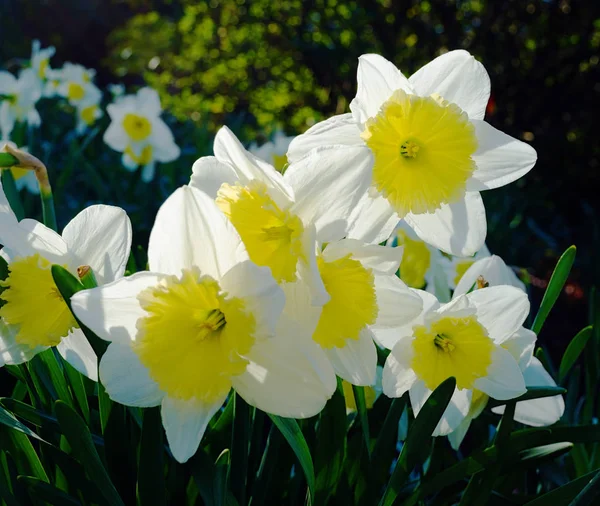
(76, 83)
(366, 301)
(432, 151)
(454, 267)
(203, 320)
(492, 271)
(282, 219)
(34, 316)
(24, 178)
(273, 152)
(88, 110)
(17, 100)
(137, 131)
(463, 339)
(40, 59)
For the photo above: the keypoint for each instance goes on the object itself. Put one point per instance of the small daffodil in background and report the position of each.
(24, 178)
(282, 218)
(225, 311)
(273, 152)
(34, 316)
(432, 151)
(40, 60)
(137, 131)
(76, 83)
(492, 271)
(88, 110)
(18, 97)
(464, 339)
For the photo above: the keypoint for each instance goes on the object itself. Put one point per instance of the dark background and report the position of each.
(263, 65)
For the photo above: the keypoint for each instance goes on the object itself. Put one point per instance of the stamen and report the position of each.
(481, 282)
(444, 343)
(279, 233)
(409, 149)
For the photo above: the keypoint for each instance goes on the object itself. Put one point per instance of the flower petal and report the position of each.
(148, 101)
(328, 184)
(112, 311)
(12, 352)
(377, 79)
(493, 270)
(381, 259)
(115, 136)
(126, 380)
(287, 376)
(458, 78)
(398, 376)
(100, 236)
(503, 379)
(30, 237)
(500, 158)
(76, 350)
(500, 309)
(521, 346)
(458, 229)
(373, 220)
(457, 435)
(185, 423)
(340, 130)
(191, 231)
(398, 305)
(162, 140)
(208, 174)
(356, 362)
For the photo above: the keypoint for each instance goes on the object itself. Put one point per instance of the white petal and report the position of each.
(459, 78)
(537, 412)
(341, 130)
(308, 271)
(190, 230)
(327, 185)
(373, 219)
(398, 305)
(398, 376)
(457, 435)
(185, 423)
(377, 79)
(381, 259)
(112, 311)
(494, 271)
(12, 352)
(500, 309)
(30, 237)
(356, 362)
(148, 171)
(76, 350)
(149, 101)
(500, 158)
(458, 229)
(125, 378)
(287, 376)
(503, 379)
(208, 174)
(6, 213)
(262, 296)
(165, 149)
(521, 346)
(115, 136)
(100, 236)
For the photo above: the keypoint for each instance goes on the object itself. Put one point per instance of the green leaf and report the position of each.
(555, 286)
(9, 420)
(550, 451)
(292, 433)
(8, 160)
(361, 407)
(151, 476)
(39, 489)
(416, 444)
(590, 492)
(532, 393)
(240, 438)
(11, 191)
(47, 366)
(78, 387)
(563, 495)
(576, 346)
(23, 453)
(82, 446)
(221, 479)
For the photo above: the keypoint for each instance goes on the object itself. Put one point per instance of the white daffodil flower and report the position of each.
(203, 320)
(537, 412)
(273, 152)
(464, 339)
(433, 152)
(24, 178)
(76, 83)
(366, 301)
(40, 59)
(282, 218)
(17, 100)
(34, 316)
(455, 267)
(422, 264)
(137, 131)
(88, 110)
(54, 78)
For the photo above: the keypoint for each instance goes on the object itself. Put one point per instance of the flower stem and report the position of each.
(11, 192)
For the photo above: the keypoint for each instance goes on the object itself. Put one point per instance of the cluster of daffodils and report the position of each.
(270, 276)
(136, 129)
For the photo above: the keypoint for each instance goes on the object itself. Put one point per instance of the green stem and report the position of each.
(7, 160)
(11, 192)
(48, 213)
(239, 446)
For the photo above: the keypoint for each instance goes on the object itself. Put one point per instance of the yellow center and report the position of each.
(352, 304)
(75, 92)
(43, 67)
(461, 268)
(144, 158)
(451, 346)
(422, 148)
(370, 396)
(32, 301)
(137, 127)
(88, 114)
(193, 337)
(416, 260)
(272, 236)
(279, 162)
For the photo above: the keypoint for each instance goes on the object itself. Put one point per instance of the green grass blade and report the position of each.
(589, 493)
(555, 286)
(292, 433)
(53, 372)
(576, 346)
(361, 407)
(76, 381)
(563, 495)
(82, 446)
(7, 419)
(532, 393)
(221, 479)
(240, 438)
(151, 476)
(23, 453)
(39, 489)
